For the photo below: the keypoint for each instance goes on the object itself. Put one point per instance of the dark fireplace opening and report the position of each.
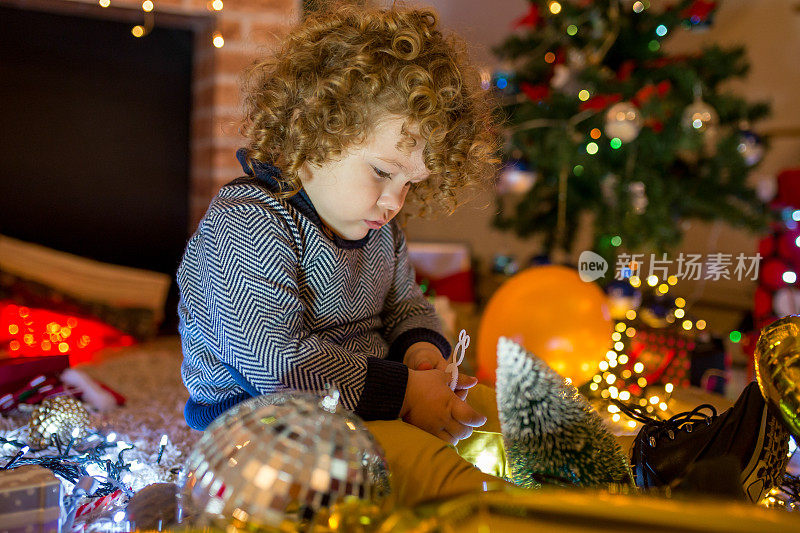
(95, 153)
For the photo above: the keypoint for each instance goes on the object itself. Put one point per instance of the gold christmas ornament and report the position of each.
(777, 361)
(59, 417)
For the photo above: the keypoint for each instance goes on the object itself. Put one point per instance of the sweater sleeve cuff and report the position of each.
(384, 390)
(397, 351)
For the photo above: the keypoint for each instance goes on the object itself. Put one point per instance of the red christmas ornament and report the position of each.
(787, 247)
(536, 93)
(788, 188)
(772, 274)
(699, 10)
(654, 124)
(530, 19)
(600, 102)
(625, 70)
(762, 302)
(766, 246)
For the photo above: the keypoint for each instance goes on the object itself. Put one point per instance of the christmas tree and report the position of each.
(551, 433)
(605, 122)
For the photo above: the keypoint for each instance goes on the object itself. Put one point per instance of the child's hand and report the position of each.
(425, 356)
(429, 404)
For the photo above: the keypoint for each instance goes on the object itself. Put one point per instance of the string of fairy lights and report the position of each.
(141, 30)
(620, 376)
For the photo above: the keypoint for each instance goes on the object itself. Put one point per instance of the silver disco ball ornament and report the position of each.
(273, 462)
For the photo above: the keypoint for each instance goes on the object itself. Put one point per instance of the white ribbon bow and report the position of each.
(457, 358)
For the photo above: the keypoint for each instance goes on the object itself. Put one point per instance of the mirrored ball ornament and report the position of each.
(777, 362)
(623, 121)
(275, 461)
(700, 117)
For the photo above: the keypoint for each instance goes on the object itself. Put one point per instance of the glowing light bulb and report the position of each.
(630, 332)
(603, 366)
(624, 396)
(147, 6)
(583, 95)
(615, 417)
(619, 346)
(591, 148)
(620, 326)
(597, 378)
(104, 3)
(661, 30)
(611, 379)
(652, 280)
(549, 57)
(630, 314)
(593, 386)
(623, 359)
(634, 281)
(680, 302)
(789, 277)
(687, 325)
(616, 336)
(216, 5)
(662, 406)
(638, 7)
(137, 31)
(679, 313)
(555, 8)
(701, 324)
(672, 280)
(638, 367)
(663, 288)
(217, 39)
(669, 388)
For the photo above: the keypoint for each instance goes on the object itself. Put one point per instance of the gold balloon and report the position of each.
(554, 315)
(61, 417)
(777, 361)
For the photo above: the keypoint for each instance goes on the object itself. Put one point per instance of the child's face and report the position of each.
(366, 188)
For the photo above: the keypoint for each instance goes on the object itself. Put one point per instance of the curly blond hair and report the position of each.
(320, 93)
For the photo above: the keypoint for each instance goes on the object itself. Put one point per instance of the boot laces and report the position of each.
(655, 427)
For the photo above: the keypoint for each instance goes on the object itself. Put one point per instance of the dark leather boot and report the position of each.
(665, 451)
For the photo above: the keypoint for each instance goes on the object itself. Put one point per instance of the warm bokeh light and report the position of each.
(217, 39)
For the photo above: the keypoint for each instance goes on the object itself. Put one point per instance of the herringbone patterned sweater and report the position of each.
(271, 300)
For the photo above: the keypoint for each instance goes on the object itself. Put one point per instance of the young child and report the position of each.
(297, 276)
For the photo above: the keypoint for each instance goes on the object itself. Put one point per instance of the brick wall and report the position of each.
(250, 28)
